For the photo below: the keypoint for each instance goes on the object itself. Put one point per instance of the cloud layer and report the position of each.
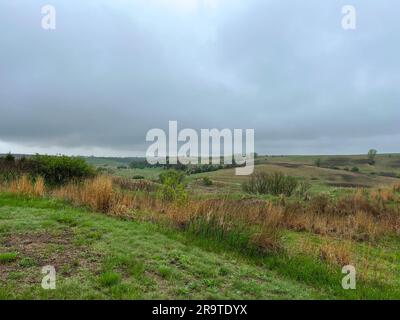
(112, 70)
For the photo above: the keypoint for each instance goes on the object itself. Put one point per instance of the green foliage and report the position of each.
(109, 278)
(55, 170)
(8, 257)
(138, 177)
(58, 170)
(318, 162)
(207, 181)
(172, 188)
(355, 169)
(275, 183)
(371, 156)
(172, 177)
(9, 157)
(303, 189)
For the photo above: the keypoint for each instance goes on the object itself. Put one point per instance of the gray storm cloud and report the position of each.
(112, 70)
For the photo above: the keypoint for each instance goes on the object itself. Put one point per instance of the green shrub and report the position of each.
(303, 189)
(9, 157)
(58, 170)
(137, 177)
(171, 177)
(207, 181)
(275, 183)
(355, 169)
(55, 170)
(172, 188)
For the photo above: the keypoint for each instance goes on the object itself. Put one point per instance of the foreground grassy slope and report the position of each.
(102, 257)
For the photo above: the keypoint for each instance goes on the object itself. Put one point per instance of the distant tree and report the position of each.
(317, 162)
(9, 157)
(371, 156)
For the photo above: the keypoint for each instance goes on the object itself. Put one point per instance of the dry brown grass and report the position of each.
(331, 251)
(365, 215)
(98, 194)
(335, 253)
(136, 185)
(396, 188)
(25, 186)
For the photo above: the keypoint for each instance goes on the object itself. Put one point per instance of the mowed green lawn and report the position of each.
(100, 257)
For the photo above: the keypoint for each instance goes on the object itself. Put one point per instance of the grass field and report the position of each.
(99, 257)
(331, 177)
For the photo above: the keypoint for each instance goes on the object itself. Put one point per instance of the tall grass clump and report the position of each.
(274, 183)
(98, 194)
(253, 231)
(26, 186)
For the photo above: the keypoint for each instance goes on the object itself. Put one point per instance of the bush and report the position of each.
(57, 170)
(303, 188)
(137, 177)
(9, 157)
(207, 181)
(171, 177)
(355, 169)
(276, 184)
(172, 188)
(371, 156)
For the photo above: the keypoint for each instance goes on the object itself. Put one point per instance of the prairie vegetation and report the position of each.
(288, 224)
(55, 170)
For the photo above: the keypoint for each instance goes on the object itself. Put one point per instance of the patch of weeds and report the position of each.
(27, 262)
(67, 220)
(8, 257)
(94, 235)
(16, 275)
(128, 265)
(165, 272)
(210, 282)
(182, 291)
(137, 269)
(109, 278)
(223, 271)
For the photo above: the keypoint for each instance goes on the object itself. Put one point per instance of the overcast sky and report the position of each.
(114, 69)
